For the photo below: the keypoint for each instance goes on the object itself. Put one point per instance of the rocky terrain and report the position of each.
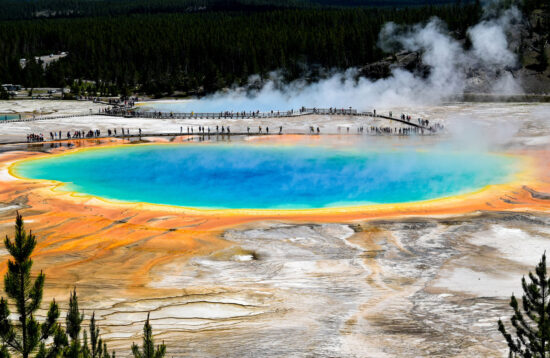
(529, 40)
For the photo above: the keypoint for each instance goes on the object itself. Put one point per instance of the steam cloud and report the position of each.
(484, 67)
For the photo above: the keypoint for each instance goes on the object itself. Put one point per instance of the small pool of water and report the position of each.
(7, 117)
(269, 176)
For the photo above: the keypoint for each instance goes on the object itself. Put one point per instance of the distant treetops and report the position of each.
(198, 52)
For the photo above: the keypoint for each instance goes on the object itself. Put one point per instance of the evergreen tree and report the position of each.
(24, 338)
(148, 349)
(532, 326)
(73, 321)
(97, 349)
(76, 348)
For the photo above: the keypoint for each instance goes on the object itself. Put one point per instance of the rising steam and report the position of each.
(485, 67)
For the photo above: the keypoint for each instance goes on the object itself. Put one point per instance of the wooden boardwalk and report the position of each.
(226, 115)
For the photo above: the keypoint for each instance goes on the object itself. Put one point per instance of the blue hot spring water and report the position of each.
(268, 176)
(8, 117)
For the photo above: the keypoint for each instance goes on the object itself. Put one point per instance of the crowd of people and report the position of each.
(388, 130)
(421, 122)
(394, 130)
(123, 101)
(224, 130)
(34, 137)
(77, 134)
(219, 115)
(118, 109)
(189, 130)
(421, 127)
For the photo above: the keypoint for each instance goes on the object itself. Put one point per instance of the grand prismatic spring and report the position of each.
(293, 245)
(248, 176)
(266, 178)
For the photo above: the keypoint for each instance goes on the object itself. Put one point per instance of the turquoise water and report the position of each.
(4, 117)
(268, 177)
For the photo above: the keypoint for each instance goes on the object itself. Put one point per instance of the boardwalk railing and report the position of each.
(336, 111)
(205, 115)
(234, 115)
(220, 115)
(41, 118)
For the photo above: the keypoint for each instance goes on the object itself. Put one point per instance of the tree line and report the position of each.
(29, 9)
(196, 53)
